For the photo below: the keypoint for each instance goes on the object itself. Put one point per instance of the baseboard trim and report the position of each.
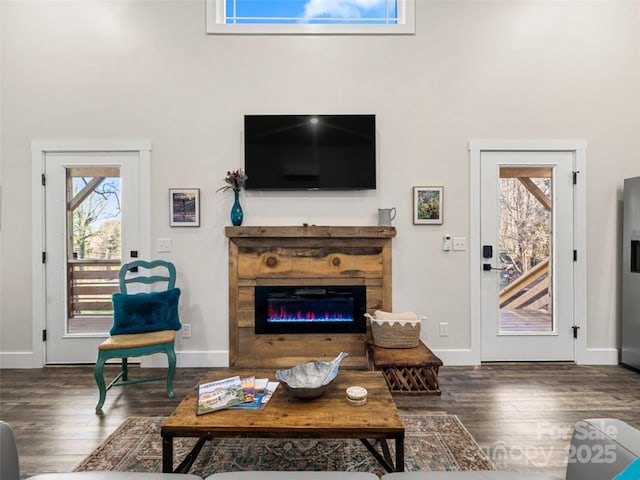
(600, 356)
(592, 356)
(220, 358)
(16, 360)
(457, 357)
(193, 359)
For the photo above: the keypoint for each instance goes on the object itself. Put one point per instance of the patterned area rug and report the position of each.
(432, 442)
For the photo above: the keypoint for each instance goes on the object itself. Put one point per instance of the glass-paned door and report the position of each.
(93, 233)
(92, 226)
(525, 250)
(527, 283)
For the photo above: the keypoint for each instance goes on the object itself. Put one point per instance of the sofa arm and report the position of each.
(601, 448)
(9, 464)
(292, 475)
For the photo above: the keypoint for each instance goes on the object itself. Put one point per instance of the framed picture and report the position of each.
(428, 205)
(184, 206)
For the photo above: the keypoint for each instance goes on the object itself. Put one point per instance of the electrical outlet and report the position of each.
(164, 245)
(186, 330)
(444, 329)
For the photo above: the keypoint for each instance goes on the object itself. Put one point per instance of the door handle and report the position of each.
(488, 267)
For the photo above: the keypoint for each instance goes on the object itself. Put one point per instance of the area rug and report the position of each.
(432, 442)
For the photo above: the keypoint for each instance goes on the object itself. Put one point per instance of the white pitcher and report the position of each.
(385, 216)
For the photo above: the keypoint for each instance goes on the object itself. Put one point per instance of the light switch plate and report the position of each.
(164, 245)
(446, 243)
(459, 244)
(444, 329)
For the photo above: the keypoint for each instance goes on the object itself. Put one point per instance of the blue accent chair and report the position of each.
(144, 323)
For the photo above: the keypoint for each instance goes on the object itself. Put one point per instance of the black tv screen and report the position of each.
(310, 152)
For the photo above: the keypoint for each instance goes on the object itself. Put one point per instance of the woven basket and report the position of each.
(395, 330)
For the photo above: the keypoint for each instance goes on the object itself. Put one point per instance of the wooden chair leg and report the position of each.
(98, 375)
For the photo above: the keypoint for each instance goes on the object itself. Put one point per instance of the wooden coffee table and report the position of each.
(329, 416)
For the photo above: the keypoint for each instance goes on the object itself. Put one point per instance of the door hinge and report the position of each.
(44, 257)
(575, 255)
(44, 180)
(575, 176)
(575, 331)
(44, 335)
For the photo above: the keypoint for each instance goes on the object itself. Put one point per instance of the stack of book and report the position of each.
(235, 392)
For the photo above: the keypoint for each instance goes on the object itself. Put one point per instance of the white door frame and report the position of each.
(578, 147)
(39, 150)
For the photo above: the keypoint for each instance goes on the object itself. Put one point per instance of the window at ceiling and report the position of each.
(310, 16)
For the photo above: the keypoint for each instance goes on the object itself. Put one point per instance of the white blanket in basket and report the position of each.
(380, 317)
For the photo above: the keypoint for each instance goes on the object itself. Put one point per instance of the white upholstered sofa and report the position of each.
(600, 450)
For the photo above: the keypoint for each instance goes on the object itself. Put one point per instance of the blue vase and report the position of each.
(236, 210)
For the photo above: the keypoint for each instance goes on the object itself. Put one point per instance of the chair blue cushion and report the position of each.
(145, 312)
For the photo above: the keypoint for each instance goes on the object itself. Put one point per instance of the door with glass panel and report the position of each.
(91, 219)
(527, 256)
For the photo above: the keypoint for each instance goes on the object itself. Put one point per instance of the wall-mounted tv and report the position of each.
(310, 152)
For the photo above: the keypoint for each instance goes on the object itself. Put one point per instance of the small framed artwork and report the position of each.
(428, 205)
(184, 206)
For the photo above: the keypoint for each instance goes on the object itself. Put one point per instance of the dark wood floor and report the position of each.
(521, 414)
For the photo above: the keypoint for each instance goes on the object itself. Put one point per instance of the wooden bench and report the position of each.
(406, 370)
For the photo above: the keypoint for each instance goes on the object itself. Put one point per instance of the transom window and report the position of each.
(310, 16)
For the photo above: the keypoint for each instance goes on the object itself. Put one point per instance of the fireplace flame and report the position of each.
(281, 314)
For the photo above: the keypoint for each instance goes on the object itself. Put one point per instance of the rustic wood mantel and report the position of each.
(304, 255)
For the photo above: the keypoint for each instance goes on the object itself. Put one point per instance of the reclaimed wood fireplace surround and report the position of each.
(303, 256)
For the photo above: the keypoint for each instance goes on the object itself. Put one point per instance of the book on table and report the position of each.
(252, 394)
(263, 391)
(249, 388)
(234, 392)
(219, 394)
(268, 392)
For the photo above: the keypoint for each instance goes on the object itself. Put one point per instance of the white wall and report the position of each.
(476, 69)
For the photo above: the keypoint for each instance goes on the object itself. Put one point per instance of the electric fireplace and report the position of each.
(310, 309)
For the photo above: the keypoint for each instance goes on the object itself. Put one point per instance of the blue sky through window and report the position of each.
(311, 11)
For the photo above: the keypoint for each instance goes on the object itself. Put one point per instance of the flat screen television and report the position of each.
(310, 152)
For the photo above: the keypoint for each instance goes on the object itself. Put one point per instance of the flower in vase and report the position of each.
(234, 181)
